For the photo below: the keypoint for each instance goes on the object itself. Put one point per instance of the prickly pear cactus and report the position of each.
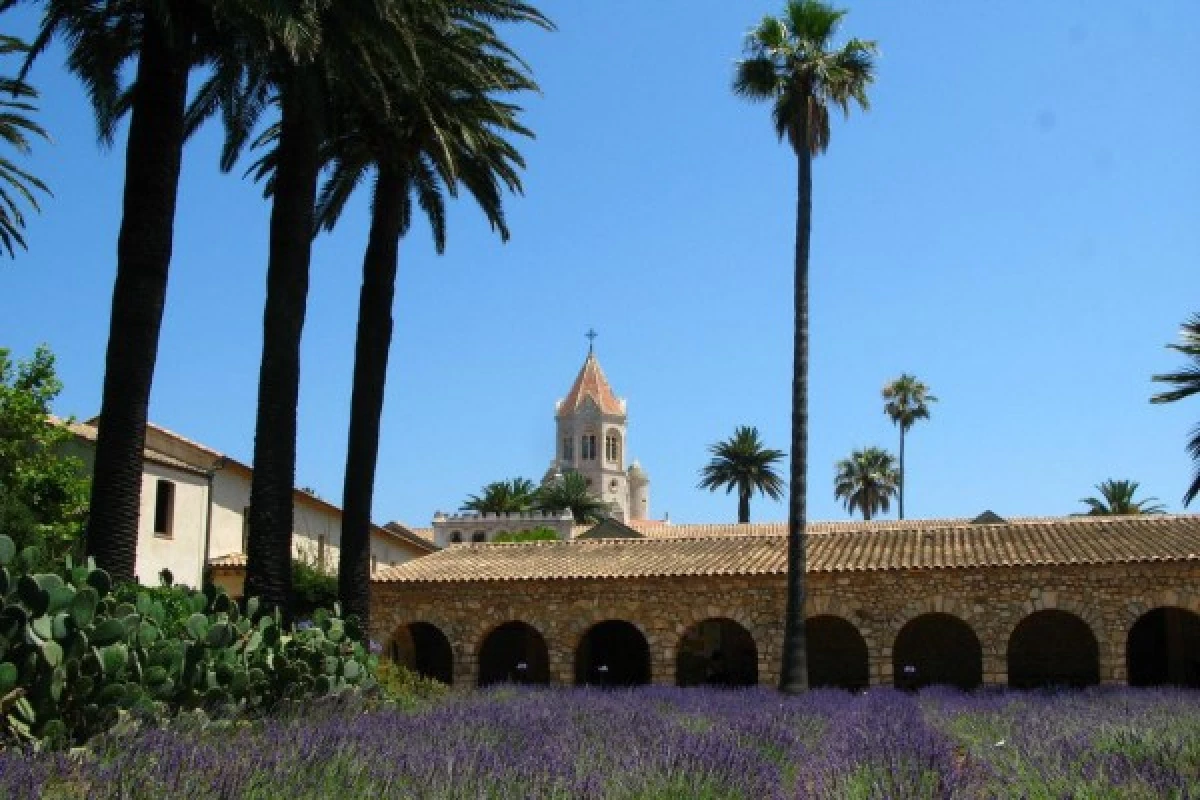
(74, 658)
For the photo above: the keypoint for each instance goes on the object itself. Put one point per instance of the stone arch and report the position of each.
(937, 647)
(513, 652)
(1053, 647)
(613, 652)
(424, 648)
(1163, 647)
(837, 653)
(716, 651)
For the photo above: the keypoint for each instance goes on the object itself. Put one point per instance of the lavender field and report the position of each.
(663, 743)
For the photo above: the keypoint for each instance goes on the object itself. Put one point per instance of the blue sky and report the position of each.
(1015, 221)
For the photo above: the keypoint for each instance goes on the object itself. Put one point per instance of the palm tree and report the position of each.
(742, 462)
(446, 128)
(867, 481)
(360, 44)
(167, 39)
(100, 38)
(1187, 383)
(571, 492)
(1116, 498)
(503, 497)
(15, 129)
(791, 63)
(906, 401)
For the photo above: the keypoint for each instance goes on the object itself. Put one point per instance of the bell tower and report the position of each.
(590, 426)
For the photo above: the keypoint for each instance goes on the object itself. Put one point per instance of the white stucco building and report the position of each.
(195, 503)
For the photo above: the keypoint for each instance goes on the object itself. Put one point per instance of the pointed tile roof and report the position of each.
(591, 383)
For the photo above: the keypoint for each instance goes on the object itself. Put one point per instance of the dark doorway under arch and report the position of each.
(717, 652)
(514, 652)
(1052, 648)
(837, 654)
(1164, 649)
(937, 648)
(424, 649)
(612, 653)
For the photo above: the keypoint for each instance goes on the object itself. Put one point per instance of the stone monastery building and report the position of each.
(1022, 602)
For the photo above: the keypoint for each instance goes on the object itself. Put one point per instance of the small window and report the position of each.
(479, 537)
(612, 449)
(455, 538)
(568, 449)
(588, 447)
(164, 508)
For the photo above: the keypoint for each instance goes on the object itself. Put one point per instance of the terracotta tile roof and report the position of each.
(662, 529)
(420, 538)
(87, 432)
(591, 383)
(1061, 541)
(229, 560)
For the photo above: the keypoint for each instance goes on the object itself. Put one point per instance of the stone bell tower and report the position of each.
(590, 425)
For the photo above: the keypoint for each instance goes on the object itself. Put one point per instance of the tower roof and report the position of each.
(591, 383)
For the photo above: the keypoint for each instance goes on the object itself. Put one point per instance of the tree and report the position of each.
(16, 127)
(866, 481)
(446, 129)
(1187, 383)
(790, 63)
(501, 497)
(358, 45)
(532, 535)
(571, 492)
(906, 400)
(43, 489)
(1116, 498)
(742, 462)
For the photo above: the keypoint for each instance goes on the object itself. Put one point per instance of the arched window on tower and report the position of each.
(612, 447)
(568, 449)
(588, 447)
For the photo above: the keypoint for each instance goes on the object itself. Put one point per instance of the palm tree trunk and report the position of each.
(794, 673)
(366, 403)
(269, 556)
(743, 505)
(900, 505)
(153, 157)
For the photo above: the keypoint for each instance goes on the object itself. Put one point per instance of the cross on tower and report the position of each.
(591, 337)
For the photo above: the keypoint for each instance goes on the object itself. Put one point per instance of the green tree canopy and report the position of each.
(1187, 383)
(1116, 498)
(16, 127)
(43, 490)
(866, 481)
(744, 463)
(500, 497)
(571, 492)
(531, 535)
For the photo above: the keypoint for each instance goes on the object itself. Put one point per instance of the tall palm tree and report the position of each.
(16, 127)
(866, 481)
(1187, 383)
(446, 129)
(906, 400)
(167, 39)
(503, 497)
(742, 462)
(571, 492)
(1116, 498)
(792, 63)
(100, 39)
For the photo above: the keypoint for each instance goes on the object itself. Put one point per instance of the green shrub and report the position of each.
(75, 654)
(534, 535)
(406, 688)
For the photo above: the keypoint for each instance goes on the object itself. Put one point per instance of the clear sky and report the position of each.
(1016, 221)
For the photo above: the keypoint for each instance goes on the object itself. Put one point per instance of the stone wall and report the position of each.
(879, 604)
